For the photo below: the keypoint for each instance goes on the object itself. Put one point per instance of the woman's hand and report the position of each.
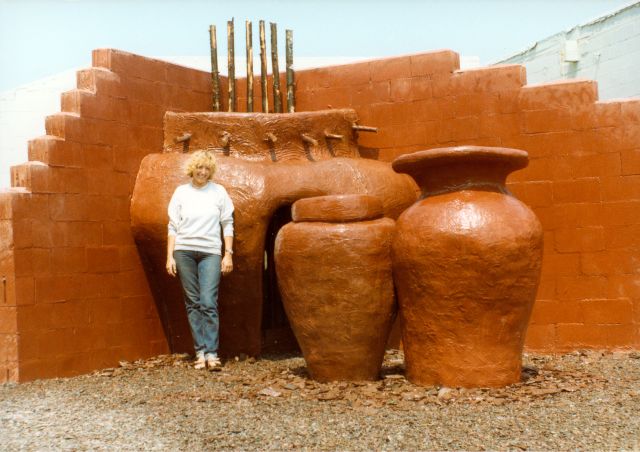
(227, 264)
(171, 266)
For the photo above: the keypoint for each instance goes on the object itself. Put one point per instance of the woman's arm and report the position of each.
(171, 262)
(227, 260)
(226, 220)
(173, 210)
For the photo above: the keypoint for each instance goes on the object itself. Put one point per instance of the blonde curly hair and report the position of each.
(201, 158)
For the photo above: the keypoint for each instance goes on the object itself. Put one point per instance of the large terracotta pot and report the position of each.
(333, 265)
(466, 264)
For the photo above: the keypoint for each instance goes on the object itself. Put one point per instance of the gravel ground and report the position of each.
(584, 400)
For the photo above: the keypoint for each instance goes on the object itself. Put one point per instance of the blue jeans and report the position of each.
(200, 276)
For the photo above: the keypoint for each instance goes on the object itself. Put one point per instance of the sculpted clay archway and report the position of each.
(265, 161)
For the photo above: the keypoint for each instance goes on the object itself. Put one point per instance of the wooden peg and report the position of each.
(360, 128)
(271, 137)
(184, 137)
(333, 136)
(308, 139)
(225, 137)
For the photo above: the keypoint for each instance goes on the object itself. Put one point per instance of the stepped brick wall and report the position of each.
(75, 293)
(74, 296)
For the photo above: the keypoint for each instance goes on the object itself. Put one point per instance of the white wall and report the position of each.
(608, 51)
(22, 113)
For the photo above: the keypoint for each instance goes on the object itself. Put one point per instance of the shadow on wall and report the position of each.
(276, 330)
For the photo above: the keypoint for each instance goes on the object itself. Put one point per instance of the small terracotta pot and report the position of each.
(466, 264)
(333, 265)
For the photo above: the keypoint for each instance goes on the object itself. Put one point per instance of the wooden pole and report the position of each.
(263, 69)
(249, 35)
(232, 66)
(215, 74)
(291, 100)
(277, 99)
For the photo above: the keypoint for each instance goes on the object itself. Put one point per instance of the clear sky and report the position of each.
(41, 38)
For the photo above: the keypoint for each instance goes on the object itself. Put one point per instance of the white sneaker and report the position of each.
(213, 362)
(200, 362)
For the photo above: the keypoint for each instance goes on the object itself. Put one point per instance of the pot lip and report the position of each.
(337, 208)
(513, 158)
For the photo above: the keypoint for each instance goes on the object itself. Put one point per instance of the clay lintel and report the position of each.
(317, 135)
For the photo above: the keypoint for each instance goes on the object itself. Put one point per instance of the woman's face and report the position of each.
(201, 175)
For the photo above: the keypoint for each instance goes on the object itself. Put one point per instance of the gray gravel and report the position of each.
(584, 400)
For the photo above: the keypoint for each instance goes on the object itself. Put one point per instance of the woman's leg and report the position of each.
(187, 265)
(209, 277)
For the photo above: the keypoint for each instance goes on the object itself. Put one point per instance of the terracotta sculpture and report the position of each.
(334, 272)
(266, 162)
(466, 263)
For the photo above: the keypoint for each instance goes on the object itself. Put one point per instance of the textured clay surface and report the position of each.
(336, 284)
(312, 136)
(466, 262)
(258, 188)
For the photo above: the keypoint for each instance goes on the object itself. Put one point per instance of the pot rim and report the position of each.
(514, 159)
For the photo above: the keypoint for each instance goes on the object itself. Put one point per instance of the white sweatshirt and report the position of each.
(195, 216)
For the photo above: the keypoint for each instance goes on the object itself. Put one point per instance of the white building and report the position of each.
(606, 50)
(22, 113)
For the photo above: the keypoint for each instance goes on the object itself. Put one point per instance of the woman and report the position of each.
(196, 212)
